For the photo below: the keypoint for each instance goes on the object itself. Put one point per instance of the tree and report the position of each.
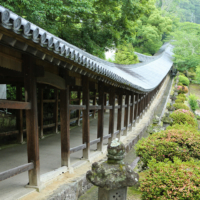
(125, 55)
(186, 41)
(150, 32)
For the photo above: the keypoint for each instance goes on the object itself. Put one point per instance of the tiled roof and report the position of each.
(143, 77)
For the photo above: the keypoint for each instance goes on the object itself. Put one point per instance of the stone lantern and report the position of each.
(113, 176)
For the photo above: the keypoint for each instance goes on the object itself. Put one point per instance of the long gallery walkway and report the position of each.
(50, 153)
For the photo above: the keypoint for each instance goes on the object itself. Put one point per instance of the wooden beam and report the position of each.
(53, 80)
(126, 122)
(136, 107)
(19, 116)
(94, 104)
(86, 121)
(15, 171)
(78, 112)
(31, 119)
(65, 126)
(132, 110)
(56, 110)
(15, 104)
(119, 115)
(100, 125)
(112, 113)
(41, 113)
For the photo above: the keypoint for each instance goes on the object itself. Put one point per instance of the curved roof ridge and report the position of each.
(131, 76)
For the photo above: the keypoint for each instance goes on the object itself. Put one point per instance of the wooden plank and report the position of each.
(41, 113)
(78, 148)
(19, 115)
(100, 125)
(95, 141)
(119, 114)
(56, 110)
(10, 57)
(52, 79)
(31, 119)
(65, 126)
(94, 107)
(105, 100)
(86, 120)
(108, 107)
(107, 136)
(15, 104)
(112, 114)
(15, 171)
(77, 107)
(126, 122)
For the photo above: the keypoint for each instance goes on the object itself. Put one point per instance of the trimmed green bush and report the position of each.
(183, 118)
(167, 180)
(184, 80)
(182, 89)
(182, 95)
(181, 98)
(192, 99)
(180, 106)
(187, 112)
(183, 143)
(179, 101)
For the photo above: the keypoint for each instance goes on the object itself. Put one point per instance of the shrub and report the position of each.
(167, 180)
(183, 118)
(184, 80)
(192, 99)
(182, 89)
(182, 95)
(181, 98)
(183, 143)
(180, 106)
(187, 112)
(180, 84)
(186, 127)
(179, 101)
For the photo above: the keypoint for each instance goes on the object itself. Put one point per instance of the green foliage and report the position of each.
(167, 180)
(92, 25)
(184, 80)
(183, 143)
(197, 77)
(182, 96)
(187, 112)
(179, 101)
(125, 55)
(183, 118)
(151, 30)
(192, 99)
(186, 42)
(182, 89)
(180, 106)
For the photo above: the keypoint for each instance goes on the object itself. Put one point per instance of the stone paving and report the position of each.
(50, 156)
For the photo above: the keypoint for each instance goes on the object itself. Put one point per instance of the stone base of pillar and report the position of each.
(118, 194)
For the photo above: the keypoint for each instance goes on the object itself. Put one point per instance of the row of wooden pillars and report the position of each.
(135, 105)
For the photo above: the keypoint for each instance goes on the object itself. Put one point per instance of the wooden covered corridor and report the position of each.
(33, 60)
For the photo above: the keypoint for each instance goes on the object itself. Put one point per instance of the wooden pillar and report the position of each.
(119, 115)
(41, 113)
(78, 111)
(65, 126)
(31, 119)
(132, 110)
(112, 114)
(86, 120)
(126, 121)
(19, 117)
(100, 130)
(56, 110)
(94, 103)
(105, 100)
(136, 107)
